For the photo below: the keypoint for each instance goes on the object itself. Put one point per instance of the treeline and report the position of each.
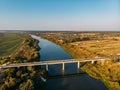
(23, 78)
(69, 37)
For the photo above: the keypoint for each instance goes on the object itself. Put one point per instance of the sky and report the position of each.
(60, 15)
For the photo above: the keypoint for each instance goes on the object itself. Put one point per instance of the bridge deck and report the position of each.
(52, 62)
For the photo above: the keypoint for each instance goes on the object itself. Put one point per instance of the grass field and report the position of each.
(101, 47)
(9, 42)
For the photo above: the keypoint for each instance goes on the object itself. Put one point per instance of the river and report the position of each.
(51, 51)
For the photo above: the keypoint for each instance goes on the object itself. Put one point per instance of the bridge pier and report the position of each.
(107, 62)
(47, 67)
(78, 65)
(92, 62)
(63, 67)
(0, 69)
(102, 62)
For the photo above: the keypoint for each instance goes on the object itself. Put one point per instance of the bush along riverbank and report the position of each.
(23, 78)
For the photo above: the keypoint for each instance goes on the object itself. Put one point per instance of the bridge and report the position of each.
(52, 62)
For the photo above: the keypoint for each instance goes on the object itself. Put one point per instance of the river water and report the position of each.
(51, 51)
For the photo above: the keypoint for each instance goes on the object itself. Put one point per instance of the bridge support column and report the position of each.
(47, 67)
(0, 69)
(92, 62)
(102, 62)
(78, 65)
(107, 61)
(63, 67)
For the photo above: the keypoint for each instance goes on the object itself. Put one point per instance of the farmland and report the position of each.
(9, 42)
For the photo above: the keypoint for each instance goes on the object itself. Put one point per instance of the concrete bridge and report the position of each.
(52, 62)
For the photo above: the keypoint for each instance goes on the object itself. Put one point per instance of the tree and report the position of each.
(3, 87)
(27, 85)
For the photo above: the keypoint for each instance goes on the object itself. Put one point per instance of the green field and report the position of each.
(9, 42)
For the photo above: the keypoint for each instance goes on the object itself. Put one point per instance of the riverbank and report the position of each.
(109, 72)
(23, 78)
